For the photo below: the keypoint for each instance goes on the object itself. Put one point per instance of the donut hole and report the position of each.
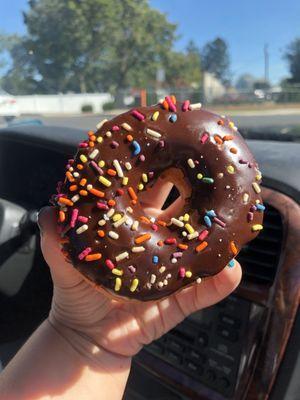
(172, 197)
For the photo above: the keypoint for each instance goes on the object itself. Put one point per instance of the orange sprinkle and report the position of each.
(165, 105)
(221, 122)
(183, 246)
(129, 138)
(142, 238)
(64, 240)
(132, 193)
(72, 188)
(90, 133)
(218, 139)
(91, 144)
(227, 137)
(83, 182)
(83, 192)
(145, 220)
(79, 166)
(93, 257)
(173, 98)
(67, 202)
(233, 248)
(93, 138)
(133, 202)
(101, 233)
(111, 172)
(97, 193)
(62, 216)
(233, 150)
(161, 223)
(111, 202)
(160, 243)
(64, 252)
(201, 246)
(70, 176)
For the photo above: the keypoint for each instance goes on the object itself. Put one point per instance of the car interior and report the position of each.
(244, 347)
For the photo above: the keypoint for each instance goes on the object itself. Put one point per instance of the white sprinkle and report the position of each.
(162, 269)
(129, 209)
(153, 133)
(191, 163)
(94, 153)
(89, 187)
(176, 221)
(160, 284)
(110, 213)
(71, 169)
(75, 198)
(198, 280)
(152, 279)
(76, 174)
(184, 233)
(101, 222)
(126, 126)
(220, 175)
(105, 217)
(245, 198)
(138, 249)
(195, 106)
(120, 222)
(118, 167)
(101, 123)
(193, 235)
(152, 220)
(82, 229)
(166, 282)
(113, 235)
(122, 256)
(108, 134)
(129, 221)
(174, 260)
(148, 285)
(168, 276)
(135, 226)
(128, 165)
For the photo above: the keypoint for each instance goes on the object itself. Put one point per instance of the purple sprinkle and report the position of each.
(250, 165)
(83, 219)
(60, 195)
(102, 205)
(68, 166)
(114, 144)
(243, 161)
(132, 269)
(150, 174)
(84, 253)
(142, 158)
(219, 222)
(161, 144)
(253, 208)
(115, 128)
(250, 216)
(138, 115)
(96, 167)
(178, 254)
(83, 144)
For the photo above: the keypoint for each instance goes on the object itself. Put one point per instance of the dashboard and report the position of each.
(236, 349)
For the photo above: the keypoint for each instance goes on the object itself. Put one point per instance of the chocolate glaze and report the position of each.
(183, 140)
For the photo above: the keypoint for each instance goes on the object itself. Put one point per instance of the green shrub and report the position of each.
(109, 105)
(86, 108)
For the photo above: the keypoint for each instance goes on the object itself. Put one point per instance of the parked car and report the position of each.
(8, 106)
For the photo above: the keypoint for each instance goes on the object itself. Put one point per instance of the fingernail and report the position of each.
(40, 219)
(231, 263)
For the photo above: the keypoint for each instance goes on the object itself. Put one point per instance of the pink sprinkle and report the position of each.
(253, 208)
(181, 272)
(154, 227)
(142, 158)
(84, 253)
(161, 143)
(83, 144)
(138, 115)
(204, 137)
(243, 161)
(60, 195)
(71, 161)
(203, 234)
(114, 144)
(170, 241)
(102, 205)
(172, 106)
(132, 269)
(74, 217)
(150, 174)
(219, 222)
(96, 167)
(250, 216)
(185, 105)
(115, 128)
(83, 219)
(177, 254)
(110, 264)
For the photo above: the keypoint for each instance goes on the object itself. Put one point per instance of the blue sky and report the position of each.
(246, 26)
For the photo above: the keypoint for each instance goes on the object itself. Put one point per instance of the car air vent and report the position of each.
(260, 257)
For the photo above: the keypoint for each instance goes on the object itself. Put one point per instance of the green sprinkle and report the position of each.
(208, 180)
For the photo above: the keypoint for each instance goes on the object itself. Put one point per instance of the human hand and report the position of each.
(120, 327)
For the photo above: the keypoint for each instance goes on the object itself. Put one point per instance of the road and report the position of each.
(246, 120)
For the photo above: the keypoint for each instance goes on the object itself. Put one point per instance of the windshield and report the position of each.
(69, 63)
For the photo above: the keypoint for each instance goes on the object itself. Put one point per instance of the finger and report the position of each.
(63, 273)
(156, 196)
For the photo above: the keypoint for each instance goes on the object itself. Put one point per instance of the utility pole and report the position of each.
(266, 58)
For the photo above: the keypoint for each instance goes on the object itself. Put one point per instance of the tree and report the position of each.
(90, 45)
(245, 82)
(215, 59)
(292, 55)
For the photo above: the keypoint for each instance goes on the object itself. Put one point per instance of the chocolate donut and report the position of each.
(108, 229)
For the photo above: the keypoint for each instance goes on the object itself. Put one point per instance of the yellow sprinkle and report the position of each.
(258, 177)
(189, 228)
(231, 124)
(230, 169)
(256, 187)
(118, 272)
(118, 284)
(155, 116)
(83, 158)
(188, 274)
(134, 285)
(199, 176)
(101, 163)
(125, 181)
(140, 186)
(116, 217)
(257, 227)
(99, 139)
(186, 217)
(145, 178)
(104, 181)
